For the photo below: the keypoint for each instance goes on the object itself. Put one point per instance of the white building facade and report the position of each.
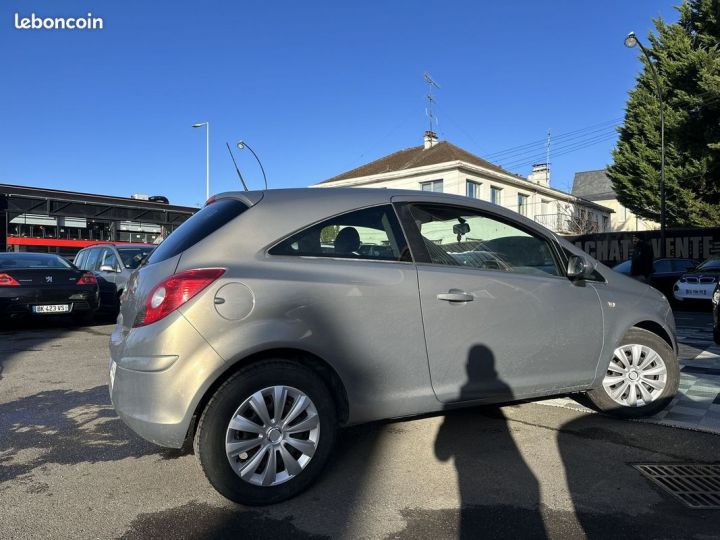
(444, 167)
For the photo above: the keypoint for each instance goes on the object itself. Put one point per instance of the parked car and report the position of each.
(700, 283)
(44, 284)
(665, 274)
(112, 265)
(716, 314)
(246, 334)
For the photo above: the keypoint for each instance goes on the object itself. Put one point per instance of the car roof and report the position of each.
(362, 197)
(120, 245)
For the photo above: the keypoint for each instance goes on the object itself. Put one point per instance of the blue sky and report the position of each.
(316, 88)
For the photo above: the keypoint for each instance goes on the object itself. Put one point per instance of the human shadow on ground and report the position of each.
(487, 461)
(65, 427)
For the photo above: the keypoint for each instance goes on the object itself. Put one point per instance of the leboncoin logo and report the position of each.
(34, 22)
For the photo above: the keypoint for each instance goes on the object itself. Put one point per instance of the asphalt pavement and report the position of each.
(69, 468)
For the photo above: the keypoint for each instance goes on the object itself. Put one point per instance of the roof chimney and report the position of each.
(540, 174)
(430, 139)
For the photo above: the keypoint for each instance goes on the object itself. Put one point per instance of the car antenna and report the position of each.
(236, 167)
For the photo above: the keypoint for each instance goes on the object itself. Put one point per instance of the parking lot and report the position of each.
(70, 469)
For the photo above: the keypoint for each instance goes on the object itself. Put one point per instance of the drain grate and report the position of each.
(696, 485)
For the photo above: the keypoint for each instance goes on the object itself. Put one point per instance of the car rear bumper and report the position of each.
(159, 373)
(16, 301)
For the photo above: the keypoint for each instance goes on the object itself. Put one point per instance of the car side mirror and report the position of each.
(107, 268)
(579, 267)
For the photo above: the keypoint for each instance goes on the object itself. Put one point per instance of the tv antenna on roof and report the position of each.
(431, 83)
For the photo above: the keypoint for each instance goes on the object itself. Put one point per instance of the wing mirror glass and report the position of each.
(579, 267)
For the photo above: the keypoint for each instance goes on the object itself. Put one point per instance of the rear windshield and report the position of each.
(205, 222)
(132, 257)
(28, 260)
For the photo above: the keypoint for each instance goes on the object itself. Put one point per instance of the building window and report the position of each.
(495, 195)
(472, 189)
(605, 224)
(523, 204)
(432, 185)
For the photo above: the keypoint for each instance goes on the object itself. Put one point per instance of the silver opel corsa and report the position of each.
(269, 319)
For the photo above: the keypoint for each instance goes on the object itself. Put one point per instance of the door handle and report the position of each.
(455, 295)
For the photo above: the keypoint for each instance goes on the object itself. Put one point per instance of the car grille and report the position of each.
(692, 280)
(707, 280)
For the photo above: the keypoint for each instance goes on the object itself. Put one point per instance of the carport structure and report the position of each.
(37, 219)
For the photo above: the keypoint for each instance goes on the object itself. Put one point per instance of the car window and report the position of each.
(712, 265)
(623, 267)
(80, 259)
(205, 222)
(132, 257)
(33, 260)
(372, 233)
(683, 265)
(92, 259)
(661, 266)
(456, 236)
(109, 259)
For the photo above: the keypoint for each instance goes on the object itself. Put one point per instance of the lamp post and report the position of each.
(630, 41)
(206, 125)
(243, 144)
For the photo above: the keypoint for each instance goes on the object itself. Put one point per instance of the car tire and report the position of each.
(237, 398)
(653, 385)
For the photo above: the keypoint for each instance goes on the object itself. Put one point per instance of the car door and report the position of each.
(106, 278)
(501, 319)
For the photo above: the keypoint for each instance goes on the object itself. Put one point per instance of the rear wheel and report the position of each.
(266, 433)
(641, 378)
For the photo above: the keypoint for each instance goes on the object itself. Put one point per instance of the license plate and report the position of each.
(113, 365)
(56, 308)
(696, 292)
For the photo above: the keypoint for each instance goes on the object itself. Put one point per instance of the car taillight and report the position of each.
(8, 281)
(87, 279)
(173, 292)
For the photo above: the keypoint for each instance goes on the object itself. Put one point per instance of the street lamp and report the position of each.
(630, 41)
(243, 144)
(206, 125)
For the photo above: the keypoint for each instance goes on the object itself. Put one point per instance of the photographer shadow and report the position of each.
(499, 495)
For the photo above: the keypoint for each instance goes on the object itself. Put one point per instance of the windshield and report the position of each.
(132, 257)
(711, 265)
(33, 260)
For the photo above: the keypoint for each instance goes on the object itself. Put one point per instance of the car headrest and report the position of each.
(347, 240)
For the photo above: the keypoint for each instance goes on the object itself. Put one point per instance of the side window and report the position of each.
(92, 259)
(80, 259)
(109, 259)
(372, 233)
(664, 265)
(457, 236)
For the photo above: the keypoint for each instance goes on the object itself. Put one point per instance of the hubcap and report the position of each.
(636, 376)
(272, 436)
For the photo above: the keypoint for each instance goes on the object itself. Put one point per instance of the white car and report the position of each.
(700, 283)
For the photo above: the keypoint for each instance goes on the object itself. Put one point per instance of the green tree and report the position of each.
(686, 56)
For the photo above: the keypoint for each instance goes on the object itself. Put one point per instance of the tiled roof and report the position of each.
(418, 156)
(593, 185)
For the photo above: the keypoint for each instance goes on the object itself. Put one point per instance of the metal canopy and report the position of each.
(21, 200)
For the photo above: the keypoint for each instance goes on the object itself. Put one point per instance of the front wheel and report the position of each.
(641, 378)
(266, 433)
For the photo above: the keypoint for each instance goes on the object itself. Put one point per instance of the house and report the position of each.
(442, 166)
(596, 186)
